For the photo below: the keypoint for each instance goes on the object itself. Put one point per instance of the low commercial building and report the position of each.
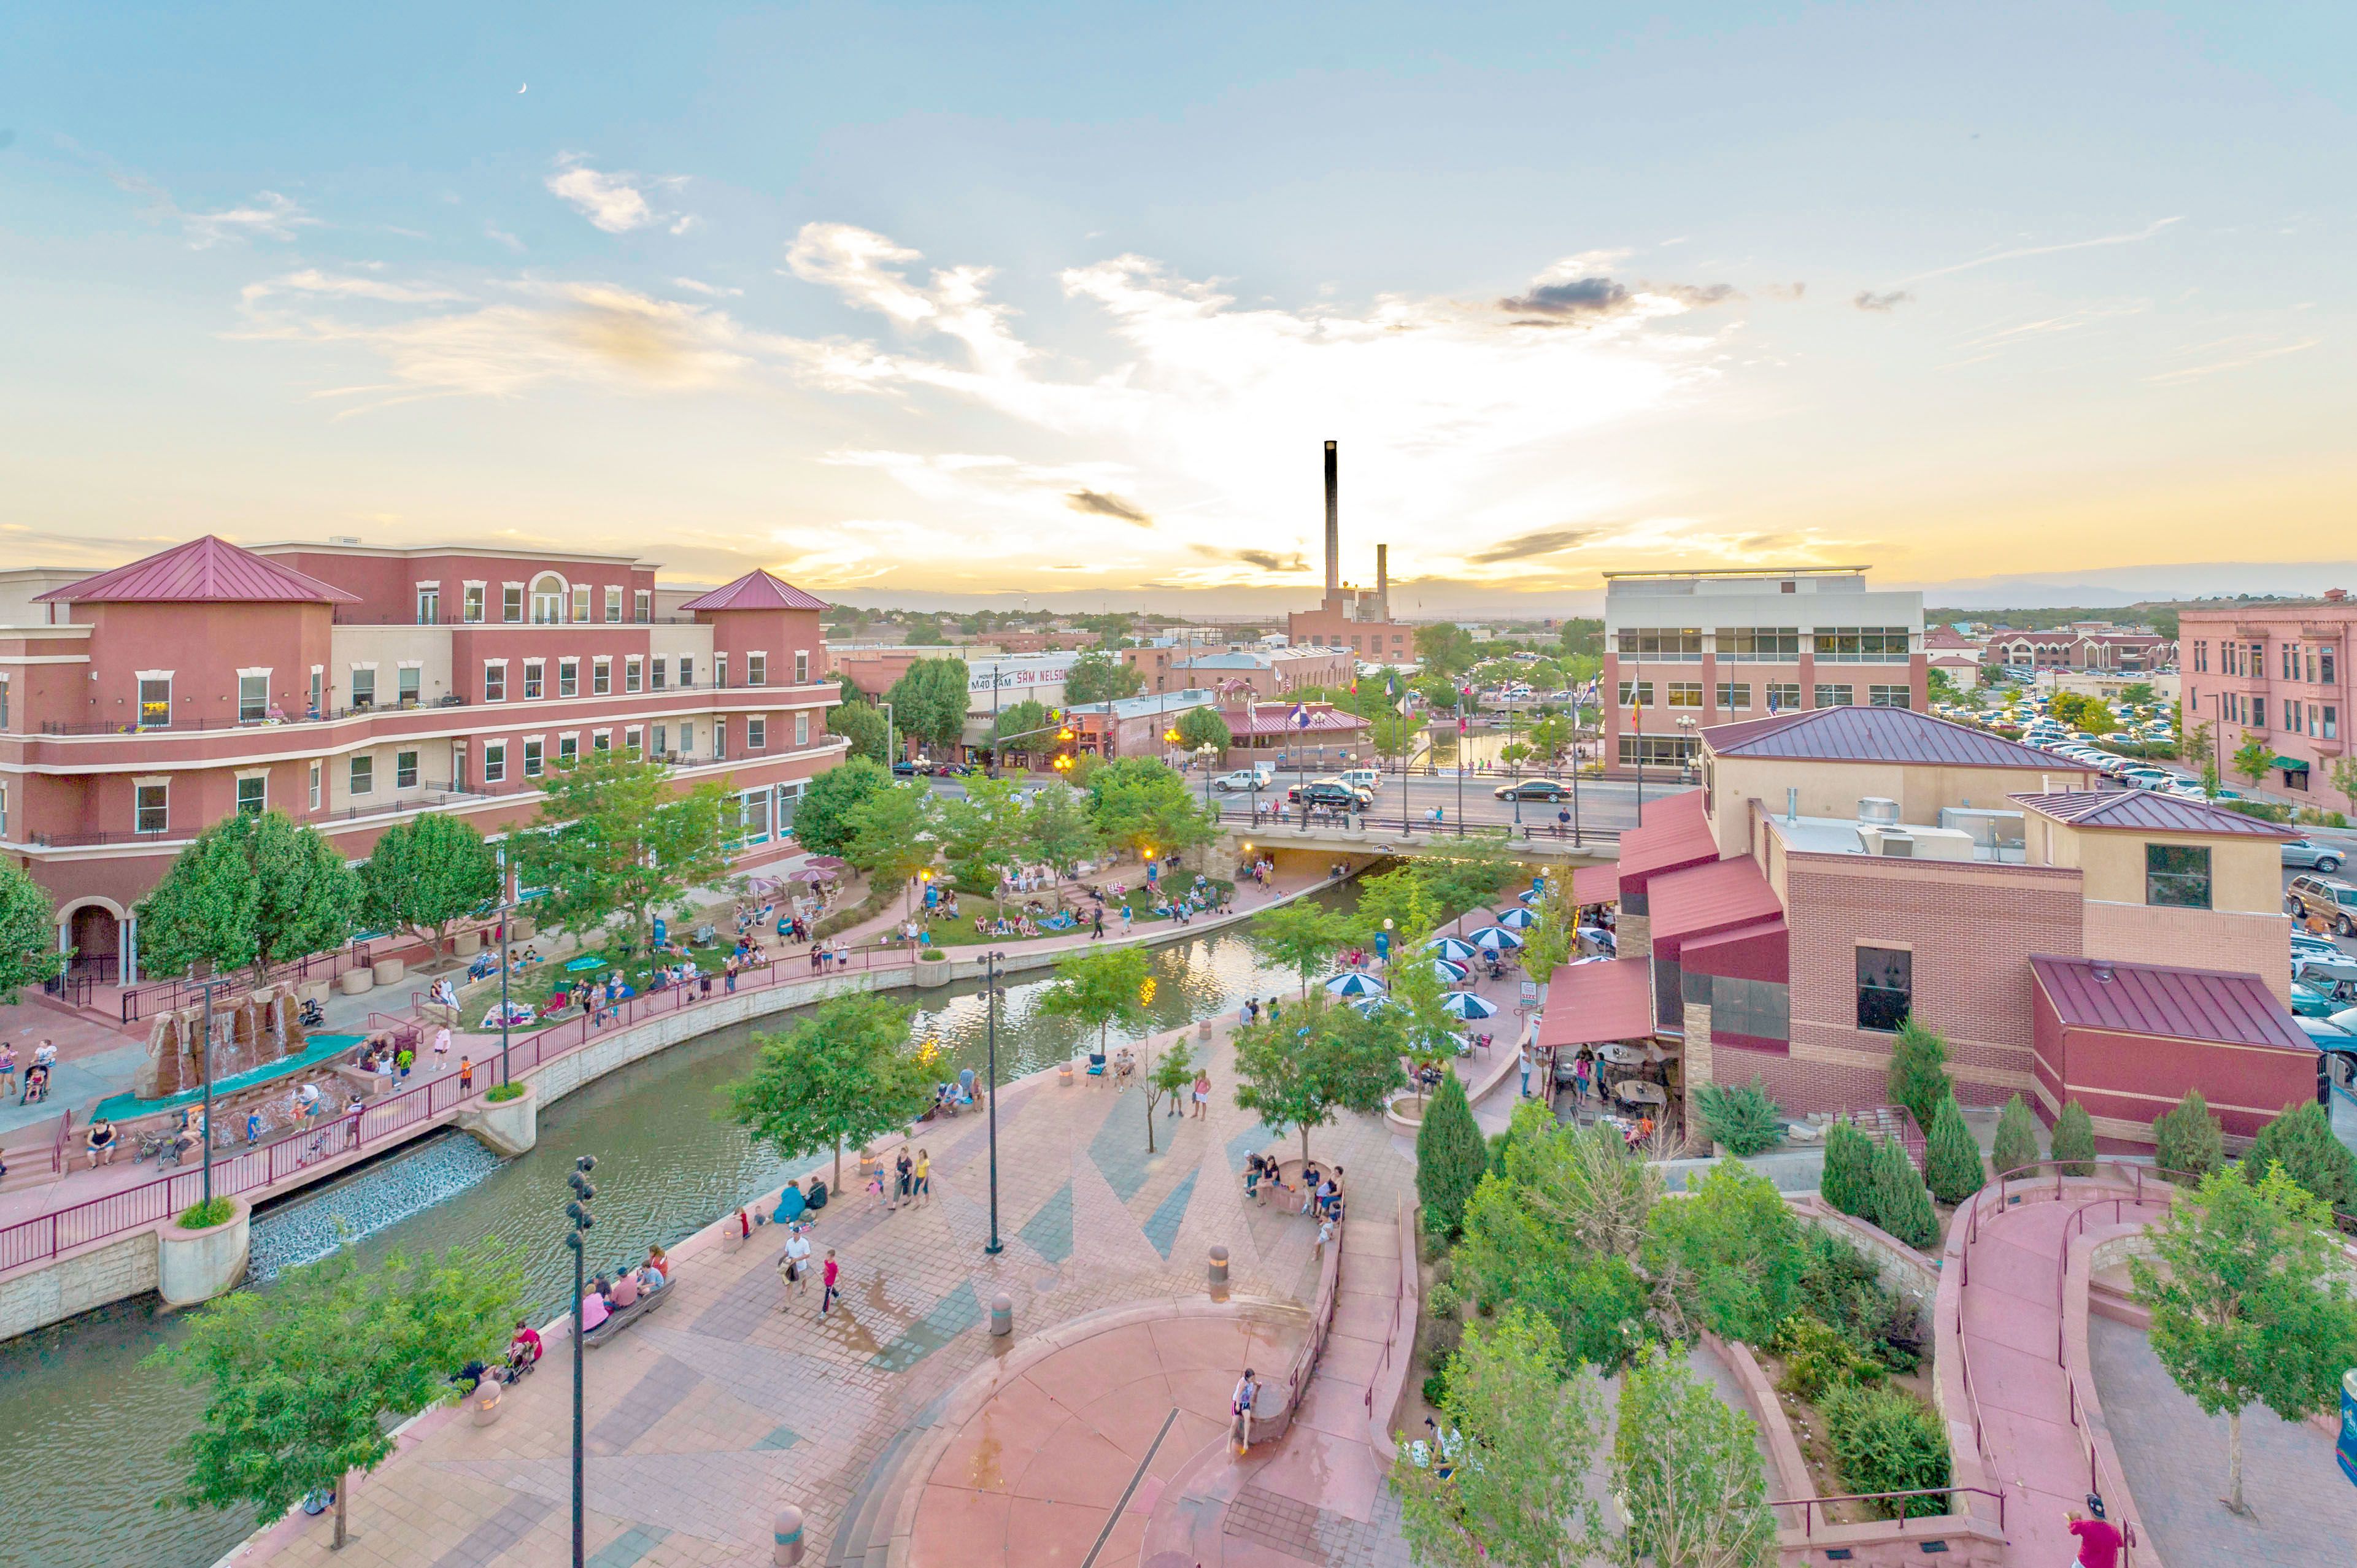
(2095, 645)
(1289, 735)
(2278, 674)
(1133, 726)
(1242, 671)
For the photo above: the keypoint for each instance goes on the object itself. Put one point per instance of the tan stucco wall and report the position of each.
(2245, 874)
(1835, 789)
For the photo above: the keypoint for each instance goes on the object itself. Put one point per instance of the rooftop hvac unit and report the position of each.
(1875, 808)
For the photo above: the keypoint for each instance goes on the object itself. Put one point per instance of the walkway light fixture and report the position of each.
(991, 991)
(579, 1219)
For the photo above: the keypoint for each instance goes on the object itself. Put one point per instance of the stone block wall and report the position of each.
(109, 1272)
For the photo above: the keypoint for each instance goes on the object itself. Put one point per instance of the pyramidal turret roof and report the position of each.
(756, 590)
(204, 570)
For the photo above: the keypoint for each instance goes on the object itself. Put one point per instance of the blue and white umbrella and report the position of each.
(1494, 939)
(1530, 894)
(1371, 1005)
(1449, 971)
(1450, 947)
(1466, 1005)
(1355, 985)
(1518, 919)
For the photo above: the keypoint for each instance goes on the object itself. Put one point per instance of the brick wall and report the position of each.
(2238, 941)
(1633, 936)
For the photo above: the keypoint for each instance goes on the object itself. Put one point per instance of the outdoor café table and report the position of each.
(1621, 1056)
(1636, 1094)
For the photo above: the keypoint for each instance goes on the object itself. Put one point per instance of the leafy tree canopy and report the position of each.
(1098, 987)
(1300, 936)
(862, 724)
(1315, 1061)
(1200, 727)
(251, 890)
(928, 702)
(822, 817)
(617, 840)
(1101, 677)
(890, 832)
(1138, 803)
(427, 874)
(28, 934)
(844, 1074)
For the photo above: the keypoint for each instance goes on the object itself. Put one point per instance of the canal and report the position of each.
(88, 1432)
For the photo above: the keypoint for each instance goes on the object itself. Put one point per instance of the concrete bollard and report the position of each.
(1219, 1267)
(789, 1533)
(485, 1404)
(1064, 1073)
(1002, 1317)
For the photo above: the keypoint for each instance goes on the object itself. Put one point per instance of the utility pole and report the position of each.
(577, 1210)
(990, 994)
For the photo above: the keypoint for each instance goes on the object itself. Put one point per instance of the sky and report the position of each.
(998, 304)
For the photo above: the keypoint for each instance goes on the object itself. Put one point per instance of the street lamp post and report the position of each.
(507, 919)
(990, 994)
(889, 756)
(577, 1211)
(209, 1092)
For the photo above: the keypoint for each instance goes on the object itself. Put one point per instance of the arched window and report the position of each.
(547, 599)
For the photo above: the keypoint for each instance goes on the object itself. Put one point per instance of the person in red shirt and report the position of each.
(2099, 1540)
(827, 1277)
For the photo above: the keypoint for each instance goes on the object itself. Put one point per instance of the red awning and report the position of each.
(1595, 884)
(1714, 897)
(1761, 950)
(1588, 1003)
(1676, 834)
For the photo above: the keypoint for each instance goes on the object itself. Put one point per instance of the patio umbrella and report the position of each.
(1530, 896)
(1371, 1005)
(1449, 971)
(830, 862)
(809, 873)
(1449, 947)
(1494, 939)
(1355, 985)
(1518, 919)
(1466, 1005)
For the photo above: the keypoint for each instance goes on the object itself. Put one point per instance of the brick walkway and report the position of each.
(705, 1417)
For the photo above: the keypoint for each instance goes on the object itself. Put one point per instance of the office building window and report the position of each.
(404, 770)
(662, 739)
(1672, 644)
(581, 601)
(495, 761)
(601, 678)
(364, 689)
(1656, 750)
(686, 671)
(1759, 1009)
(1832, 696)
(686, 739)
(1735, 696)
(2201, 658)
(2324, 664)
(535, 673)
(1784, 697)
(429, 604)
(1759, 644)
(1862, 644)
(757, 669)
(363, 779)
(150, 808)
(2331, 722)
(802, 729)
(4, 810)
(631, 679)
(613, 603)
(662, 673)
(643, 603)
(532, 759)
(315, 770)
(1886, 987)
(2177, 876)
(155, 704)
(407, 680)
(495, 680)
(253, 795)
(3, 701)
(2290, 657)
(1685, 693)
(547, 599)
(471, 607)
(1889, 697)
(802, 666)
(720, 740)
(511, 602)
(2291, 715)
(568, 677)
(252, 699)
(1637, 694)
(630, 738)
(568, 747)
(756, 734)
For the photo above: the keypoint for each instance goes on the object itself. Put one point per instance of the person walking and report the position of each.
(441, 1043)
(7, 1069)
(1526, 1071)
(830, 1278)
(1240, 1408)
(924, 1189)
(1202, 1093)
(1125, 916)
(2099, 1539)
(1097, 924)
(904, 1176)
(793, 1266)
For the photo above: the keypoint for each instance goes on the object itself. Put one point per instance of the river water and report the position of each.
(87, 1433)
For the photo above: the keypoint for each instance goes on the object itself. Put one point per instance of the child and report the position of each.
(403, 1059)
(466, 1075)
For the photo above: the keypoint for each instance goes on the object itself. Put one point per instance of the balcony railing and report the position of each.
(274, 721)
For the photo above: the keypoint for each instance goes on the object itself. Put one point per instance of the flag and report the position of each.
(1299, 717)
(1771, 699)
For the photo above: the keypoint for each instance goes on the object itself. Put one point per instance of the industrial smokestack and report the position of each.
(1333, 524)
(1384, 579)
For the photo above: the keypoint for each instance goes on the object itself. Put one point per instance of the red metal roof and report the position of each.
(1595, 884)
(1877, 735)
(2175, 1004)
(756, 590)
(1277, 718)
(1588, 1003)
(1713, 897)
(1761, 950)
(203, 570)
(2148, 811)
(1675, 832)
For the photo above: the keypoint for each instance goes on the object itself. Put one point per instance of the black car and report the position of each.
(1534, 789)
(1329, 792)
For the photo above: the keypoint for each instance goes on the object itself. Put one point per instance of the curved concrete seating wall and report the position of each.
(1273, 1410)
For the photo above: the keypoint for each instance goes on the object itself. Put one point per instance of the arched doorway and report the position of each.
(547, 599)
(96, 935)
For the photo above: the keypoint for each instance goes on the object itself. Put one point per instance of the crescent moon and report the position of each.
(525, 88)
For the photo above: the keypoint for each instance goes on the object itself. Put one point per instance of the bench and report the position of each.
(622, 1319)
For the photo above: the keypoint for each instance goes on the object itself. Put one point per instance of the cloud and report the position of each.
(610, 201)
(1546, 542)
(1696, 297)
(266, 215)
(504, 238)
(1098, 505)
(865, 268)
(1270, 560)
(311, 281)
(696, 285)
(1784, 291)
(1572, 298)
(2147, 233)
(1868, 300)
(2231, 363)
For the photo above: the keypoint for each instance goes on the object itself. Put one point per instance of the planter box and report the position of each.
(356, 981)
(388, 970)
(467, 944)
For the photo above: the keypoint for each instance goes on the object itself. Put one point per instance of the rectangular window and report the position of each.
(662, 739)
(408, 684)
(568, 747)
(1784, 697)
(2324, 662)
(253, 796)
(364, 690)
(757, 669)
(1685, 693)
(3, 701)
(2329, 726)
(603, 740)
(316, 769)
(756, 734)
(404, 770)
(2291, 715)
(472, 610)
(252, 699)
(150, 808)
(663, 674)
(1637, 694)
(686, 671)
(495, 761)
(1734, 696)
(319, 677)
(535, 673)
(155, 704)
(631, 676)
(1656, 750)
(601, 678)
(686, 739)
(568, 677)
(1886, 987)
(801, 665)
(644, 602)
(2200, 659)
(1862, 644)
(4, 810)
(630, 738)
(802, 729)
(495, 681)
(1676, 645)
(532, 759)
(511, 602)
(1759, 644)
(2290, 662)
(2177, 876)
(581, 601)
(613, 603)
(1755, 1009)
(1833, 696)
(720, 740)
(429, 606)
(1889, 697)
(364, 775)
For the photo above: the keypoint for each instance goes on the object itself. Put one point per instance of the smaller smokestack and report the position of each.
(1334, 521)
(1384, 579)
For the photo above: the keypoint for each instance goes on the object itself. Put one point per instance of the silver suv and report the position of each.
(2334, 902)
(2323, 857)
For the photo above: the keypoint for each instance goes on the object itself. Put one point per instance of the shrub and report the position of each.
(1849, 1182)
(2301, 1140)
(933, 955)
(1919, 1074)
(882, 893)
(1902, 1204)
(2016, 1138)
(1442, 1300)
(211, 1212)
(1886, 1441)
(2188, 1138)
(1450, 1158)
(500, 1091)
(1742, 1121)
(1951, 1161)
(2074, 1140)
(1817, 1356)
(1840, 1288)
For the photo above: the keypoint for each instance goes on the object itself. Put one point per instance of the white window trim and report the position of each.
(501, 661)
(243, 674)
(152, 675)
(367, 664)
(411, 664)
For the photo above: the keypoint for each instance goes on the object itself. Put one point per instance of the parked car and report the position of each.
(2308, 1002)
(2147, 777)
(1244, 779)
(2334, 902)
(2324, 857)
(1329, 792)
(1534, 789)
(2326, 1035)
(904, 769)
(1367, 779)
(2303, 945)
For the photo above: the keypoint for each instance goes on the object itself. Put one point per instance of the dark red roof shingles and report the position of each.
(204, 570)
(2174, 1004)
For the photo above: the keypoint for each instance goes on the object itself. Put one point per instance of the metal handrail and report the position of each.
(1808, 1506)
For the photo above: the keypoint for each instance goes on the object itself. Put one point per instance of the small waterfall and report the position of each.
(378, 1196)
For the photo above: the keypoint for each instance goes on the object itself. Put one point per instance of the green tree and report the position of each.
(891, 833)
(1549, 941)
(251, 890)
(1466, 874)
(28, 934)
(1058, 827)
(1138, 803)
(202, 912)
(2251, 760)
(1317, 1061)
(928, 702)
(1728, 1257)
(1172, 1075)
(1444, 648)
(2302, 1141)
(982, 834)
(2016, 1146)
(618, 841)
(1450, 1158)
(1524, 1432)
(1200, 727)
(1951, 1161)
(306, 1380)
(1300, 936)
(1391, 733)
(843, 1075)
(862, 724)
(2074, 1139)
(1022, 729)
(427, 874)
(1902, 1204)
(1101, 677)
(2344, 779)
(822, 816)
(2249, 1303)
(1686, 1471)
(1400, 897)
(1849, 1182)
(1098, 987)
(2187, 1138)
(1919, 1075)
(1427, 1035)
(2197, 746)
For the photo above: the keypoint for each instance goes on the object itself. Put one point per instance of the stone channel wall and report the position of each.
(110, 1271)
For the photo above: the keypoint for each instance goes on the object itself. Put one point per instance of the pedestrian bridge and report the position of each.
(1362, 835)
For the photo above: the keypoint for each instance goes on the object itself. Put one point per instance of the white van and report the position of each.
(1370, 780)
